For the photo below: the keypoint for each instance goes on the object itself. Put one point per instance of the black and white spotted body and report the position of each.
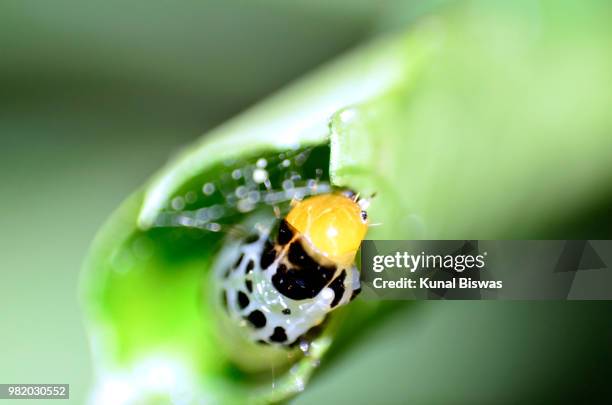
(277, 289)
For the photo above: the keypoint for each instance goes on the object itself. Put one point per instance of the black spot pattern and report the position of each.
(285, 234)
(355, 293)
(243, 300)
(279, 335)
(249, 285)
(237, 264)
(250, 266)
(286, 311)
(262, 342)
(299, 257)
(257, 319)
(303, 281)
(338, 287)
(268, 256)
(364, 216)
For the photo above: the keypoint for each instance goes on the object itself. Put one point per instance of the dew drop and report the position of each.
(245, 205)
(288, 185)
(191, 197)
(241, 191)
(208, 188)
(178, 203)
(185, 221)
(254, 196)
(213, 226)
(304, 346)
(260, 175)
(236, 174)
(261, 163)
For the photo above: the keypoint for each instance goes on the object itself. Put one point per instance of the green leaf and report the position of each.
(483, 122)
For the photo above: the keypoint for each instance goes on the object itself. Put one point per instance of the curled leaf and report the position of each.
(462, 129)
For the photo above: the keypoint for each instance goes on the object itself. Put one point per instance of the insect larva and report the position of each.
(278, 286)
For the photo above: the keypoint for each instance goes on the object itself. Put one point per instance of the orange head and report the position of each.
(334, 224)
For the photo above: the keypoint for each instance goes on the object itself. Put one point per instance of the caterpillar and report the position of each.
(277, 287)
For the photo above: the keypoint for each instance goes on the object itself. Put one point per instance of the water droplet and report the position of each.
(191, 197)
(254, 196)
(286, 163)
(213, 226)
(245, 205)
(241, 191)
(288, 185)
(184, 220)
(260, 176)
(304, 346)
(261, 163)
(208, 188)
(178, 203)
(236, 174)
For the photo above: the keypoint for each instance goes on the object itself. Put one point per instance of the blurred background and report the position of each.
(95, 96)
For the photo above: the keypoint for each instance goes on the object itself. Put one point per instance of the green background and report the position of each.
(95, 97)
